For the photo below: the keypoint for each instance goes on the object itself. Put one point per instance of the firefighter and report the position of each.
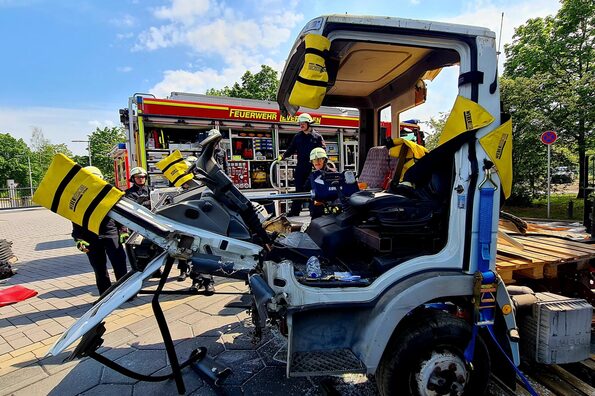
(97, 247)
(139, 192)
(302, 143)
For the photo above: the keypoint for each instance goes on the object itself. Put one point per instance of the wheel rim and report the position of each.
(443, 373)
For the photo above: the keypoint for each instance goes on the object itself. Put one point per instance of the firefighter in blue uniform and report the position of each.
(302, 144)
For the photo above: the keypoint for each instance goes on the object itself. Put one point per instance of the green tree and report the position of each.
(522, 97)
(43, 151)
(13, 160)
(262, 85)
(555, 57)
(102, 141)
(436, 125)
(82, 160)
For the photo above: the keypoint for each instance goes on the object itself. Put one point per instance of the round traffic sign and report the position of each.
(549, 137)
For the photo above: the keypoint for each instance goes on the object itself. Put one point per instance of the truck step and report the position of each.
(333, 362)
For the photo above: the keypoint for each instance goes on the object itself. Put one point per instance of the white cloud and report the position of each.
(224, 35)
(124, 36)
(230, 43)
(184, 11)
(124, 69)
(126, 21)
(59, 125)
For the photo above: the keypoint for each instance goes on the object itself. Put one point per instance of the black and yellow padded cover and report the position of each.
(408, 152)
(310, 86)
(498, 145)
(175, 169)
(466, 115)
(76, 194)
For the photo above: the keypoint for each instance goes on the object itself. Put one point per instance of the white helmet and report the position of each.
(94, 170)
(190, 160)
(305, 117)
(138, 171)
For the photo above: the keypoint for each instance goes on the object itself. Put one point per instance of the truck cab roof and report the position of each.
(373, 59)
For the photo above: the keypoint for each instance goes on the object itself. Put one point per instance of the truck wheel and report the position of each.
(426, 358)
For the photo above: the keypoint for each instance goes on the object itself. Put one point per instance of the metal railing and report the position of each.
(16, 197)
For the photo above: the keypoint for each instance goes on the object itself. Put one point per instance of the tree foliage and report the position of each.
(42, 153)
(436, 125)
(262, 85)
(102, 142)
(13, 160)
(549, 84)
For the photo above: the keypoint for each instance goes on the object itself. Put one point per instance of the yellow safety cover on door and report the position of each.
(498, 145)
(466, 115)
(76, 194)
(175, 169)
(310, 86)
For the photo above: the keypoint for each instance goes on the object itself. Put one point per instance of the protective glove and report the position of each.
(124, 237)
(280, 158)
(83, 246)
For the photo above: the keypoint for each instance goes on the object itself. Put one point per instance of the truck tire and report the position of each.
(426, 358)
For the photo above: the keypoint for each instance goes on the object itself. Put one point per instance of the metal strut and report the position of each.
(198, 360)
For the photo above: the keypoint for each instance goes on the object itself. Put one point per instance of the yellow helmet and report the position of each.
(94, 171)
(305, 117)
(318, 152)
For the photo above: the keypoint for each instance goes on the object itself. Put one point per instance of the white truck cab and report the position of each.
(415, 249)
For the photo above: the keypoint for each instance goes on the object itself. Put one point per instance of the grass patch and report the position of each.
(558, 208)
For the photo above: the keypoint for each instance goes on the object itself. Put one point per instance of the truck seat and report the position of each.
(377, 166)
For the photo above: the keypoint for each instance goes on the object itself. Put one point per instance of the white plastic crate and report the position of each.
(558, 330)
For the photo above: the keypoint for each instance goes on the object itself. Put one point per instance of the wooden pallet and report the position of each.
(561, 380)
(540, 257)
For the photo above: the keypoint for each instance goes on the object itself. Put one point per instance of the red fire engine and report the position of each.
(254, 132)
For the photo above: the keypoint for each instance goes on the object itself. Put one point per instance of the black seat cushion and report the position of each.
(367, 200)
(395, 211)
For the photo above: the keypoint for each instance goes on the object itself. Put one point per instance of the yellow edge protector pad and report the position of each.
(416, 152)
(310, 88)
(76, 194)
(498, 145)
(466, 115)
(175, 169)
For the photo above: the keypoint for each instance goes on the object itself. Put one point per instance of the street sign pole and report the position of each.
(548, 138)
(549, 179)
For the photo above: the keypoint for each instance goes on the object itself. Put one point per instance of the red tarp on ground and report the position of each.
(15, 294)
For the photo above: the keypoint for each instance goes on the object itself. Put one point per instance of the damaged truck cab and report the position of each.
(399, 283)
(414, 251)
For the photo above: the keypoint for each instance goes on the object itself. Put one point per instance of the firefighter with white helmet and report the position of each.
(302, 144)
(97, 247)
(139, 192)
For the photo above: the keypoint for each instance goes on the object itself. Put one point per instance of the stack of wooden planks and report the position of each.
(538, 256)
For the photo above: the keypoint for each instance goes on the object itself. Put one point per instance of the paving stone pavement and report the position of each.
(50, 264)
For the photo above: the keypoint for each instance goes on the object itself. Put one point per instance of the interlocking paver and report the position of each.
(50, 264)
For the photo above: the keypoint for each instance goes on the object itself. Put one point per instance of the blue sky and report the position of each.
(69, 65)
